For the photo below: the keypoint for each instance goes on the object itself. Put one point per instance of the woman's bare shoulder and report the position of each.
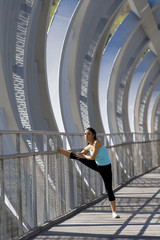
(98, 143)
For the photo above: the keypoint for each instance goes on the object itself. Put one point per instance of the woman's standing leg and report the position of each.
(106, 174)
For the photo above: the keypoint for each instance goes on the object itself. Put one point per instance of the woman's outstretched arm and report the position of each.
(67, 153)
(96, 146)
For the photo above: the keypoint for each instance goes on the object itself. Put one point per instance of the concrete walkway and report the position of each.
(138, 204)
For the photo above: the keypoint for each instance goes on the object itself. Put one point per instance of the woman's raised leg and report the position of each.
(64, 152)
(89, 163)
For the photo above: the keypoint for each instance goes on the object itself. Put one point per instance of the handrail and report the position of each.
(27, 140)
(69, 133)
(31, 154)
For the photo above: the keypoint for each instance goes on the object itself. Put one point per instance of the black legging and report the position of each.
(104, 171)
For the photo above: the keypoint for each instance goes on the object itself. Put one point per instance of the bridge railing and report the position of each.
(38, 186)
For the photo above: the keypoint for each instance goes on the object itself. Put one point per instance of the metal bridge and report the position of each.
(39, 189)
(138, 205)
(58, 79)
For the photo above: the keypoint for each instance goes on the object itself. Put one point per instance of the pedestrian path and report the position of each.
(138, 204)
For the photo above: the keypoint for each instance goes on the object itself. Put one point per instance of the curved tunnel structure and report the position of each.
(69, 77)
(106, 86)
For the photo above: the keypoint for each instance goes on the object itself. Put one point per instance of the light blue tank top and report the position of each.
(102, 157)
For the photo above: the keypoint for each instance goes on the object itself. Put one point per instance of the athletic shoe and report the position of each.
(115, 215)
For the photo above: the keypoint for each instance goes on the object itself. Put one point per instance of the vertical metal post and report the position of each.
(1, 145)
(82, 181)
(19, 197)
(34, 193)
(18, 142)
(3, 225)
(89, 174)
(1, 152)
(75, 183)
(3, 220)
(119, 150)
(66, 170)
(126, 160)
(140, 158)
(105, 141)
(132, 159)
(19, 190)
(46, 177)
(57, 188)
(75, 166)
(135, 159)
(55, 142)
(110, 139)
(115, 167)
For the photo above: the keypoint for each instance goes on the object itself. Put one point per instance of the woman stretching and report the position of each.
(98, 160)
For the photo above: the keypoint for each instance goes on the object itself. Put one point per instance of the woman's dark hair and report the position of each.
(92, 131)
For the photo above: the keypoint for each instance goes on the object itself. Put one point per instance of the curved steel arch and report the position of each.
(143, 96)
(124, 64)
(23, 29)
(140, 71)
(77, 84)
(155, 120)
(152, 110)
(83, 89)
(119, 79)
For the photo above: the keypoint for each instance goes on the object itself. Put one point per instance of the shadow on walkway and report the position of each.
(138, 204)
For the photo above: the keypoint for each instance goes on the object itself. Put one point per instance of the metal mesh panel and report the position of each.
(38, 187)
(12, 195)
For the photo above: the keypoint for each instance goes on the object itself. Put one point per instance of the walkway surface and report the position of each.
(138, 204)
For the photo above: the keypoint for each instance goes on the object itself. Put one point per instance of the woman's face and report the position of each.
(89, 136)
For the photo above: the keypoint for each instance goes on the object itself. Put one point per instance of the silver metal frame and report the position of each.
(37, 187)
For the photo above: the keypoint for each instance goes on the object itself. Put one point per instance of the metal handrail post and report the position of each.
(18, 148)
(19, 185)
(75, 180)
(1, 144)
(66, 172)
(3, 230)
(46, 177)
(105, 141)
(34, 181)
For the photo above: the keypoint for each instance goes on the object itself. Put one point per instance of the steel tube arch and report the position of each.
(86, 77)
